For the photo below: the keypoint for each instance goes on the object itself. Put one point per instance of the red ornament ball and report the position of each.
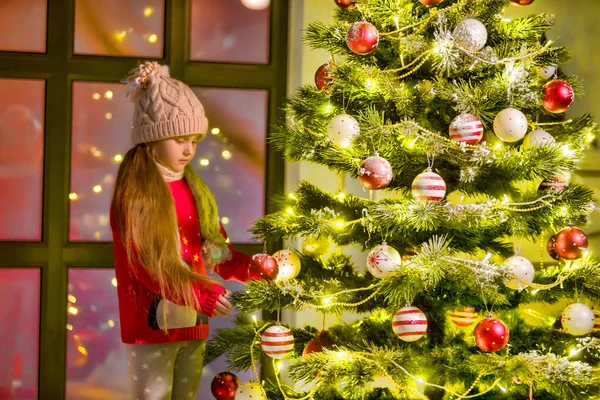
(464, 317)
(319, 343)
(345, 4)
(362, 37)
(375, 173)
(466, 128)
(558, 96)
(570, 243)
(491, 334)
(323, 77)
(224, 386)
(521, 3)
(550, 246)
(430, 2)
(264, 266)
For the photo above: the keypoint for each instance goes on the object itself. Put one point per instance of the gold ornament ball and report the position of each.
(315, 246)
(430, 2)
(288, 263)
(521, 3)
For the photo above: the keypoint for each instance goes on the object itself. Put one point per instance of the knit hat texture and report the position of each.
(164, 107)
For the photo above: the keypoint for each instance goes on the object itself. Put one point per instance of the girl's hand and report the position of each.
(222, 308)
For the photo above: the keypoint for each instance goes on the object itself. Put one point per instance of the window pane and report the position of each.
(232, 157)
(15, 15)
(100, 135)
(119, 28)
(230, 31)
(21, 156)
(96, 361)
(19, 327)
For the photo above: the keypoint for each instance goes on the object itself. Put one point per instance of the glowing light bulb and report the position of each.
(226, 154)
(118, 158)
(96, 96)
(341, 196)
(148, 11)
(290, 210)
(73, 196)
(255, 319)
(502, 388)
(69, 327)
(292, 196)
(256, 5)
(97, 188)
(108, 95)
(120, 35)
(215, 131)
(111, 323)
(204, 162)
(327, 300)
(573, 352)
(114, 282)
(225, 220)
(153, 38)
(108, 115)
(73, 310)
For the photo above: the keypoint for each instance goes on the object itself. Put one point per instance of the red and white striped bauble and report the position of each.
(429, 186)
(464, 317)
(277, 341)
(466, 128)
(409, 324)
(382, 259)
(596, 320)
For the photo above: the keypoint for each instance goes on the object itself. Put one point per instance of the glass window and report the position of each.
(19, 325)
(23, 25)
(96, 360)
(230, 31)
(100, 137)
(21, 158)
(232, 157)
(119, 28)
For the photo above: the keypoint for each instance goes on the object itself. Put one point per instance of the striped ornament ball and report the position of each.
(409, 324)
(429, 186)
(466, 128)
(464, 317)
(277, 341)
(596, 320)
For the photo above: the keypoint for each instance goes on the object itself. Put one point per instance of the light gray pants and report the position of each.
(167, 371)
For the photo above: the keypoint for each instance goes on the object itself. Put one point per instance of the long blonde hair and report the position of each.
(146, 221)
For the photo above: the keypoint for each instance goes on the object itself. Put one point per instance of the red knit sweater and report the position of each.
(139, 293)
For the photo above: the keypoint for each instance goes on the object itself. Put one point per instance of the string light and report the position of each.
(226, 154)
(341, 196)
(148, 11)
(108, 116)
(215, 131)
(72, 299)
(73, 196)
(255, 320)
(97, 188)
(114, 282)
(73, 310)
(95, 152)
(96, 96)
(225, 220)
(204, 162)
(327, 300)
(118, 158)
(292, 196)
(111, 323)
(153, 38)
(69, 327)
(573, 352)
(82, 350)
(567, 151)
(502, 388)
(290, 210)
(120, 35)
(108, 95)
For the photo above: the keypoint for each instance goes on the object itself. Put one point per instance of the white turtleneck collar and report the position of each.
(168, 174)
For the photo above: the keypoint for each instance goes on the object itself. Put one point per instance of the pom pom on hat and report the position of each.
(139, 77)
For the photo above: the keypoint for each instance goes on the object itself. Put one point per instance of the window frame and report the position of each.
(59, 67)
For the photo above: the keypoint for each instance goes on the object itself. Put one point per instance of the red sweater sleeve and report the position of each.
(206, 296)
(238, 268)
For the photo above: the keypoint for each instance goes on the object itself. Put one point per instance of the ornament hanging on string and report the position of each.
(466, 128)
(554, 184)
(224, 385)
(577, 319)
(250, 391)
(362, 37)
(547, 72)
(264, 266)
(537, 137)
(491, 334)
(558, 96)
(345, 4)
(521, 268)
(464, 317)
(409, 324)
(382, 259)
(323, 77)
(277, 341)
(470, 34)
(315, 246)
(319, 343)
(568, 244)
(521, 3)
(430, 3)
(342, 130)
(375, 173)
(510, 125)
(428, 186)
(288, 263)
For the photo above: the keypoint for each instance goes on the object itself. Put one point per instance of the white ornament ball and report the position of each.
(522, 268)
(256, 4)
(470, 34)
(382, 259)
(409, 324)
(538, 137)
(466, 128)
(250, 391)
(277, 341)
(510, 125)
(429, 186)
(288, 263)
(342, 129)
(547, 72)
(578, 319)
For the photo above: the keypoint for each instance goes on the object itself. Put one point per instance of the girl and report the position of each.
(166, 236)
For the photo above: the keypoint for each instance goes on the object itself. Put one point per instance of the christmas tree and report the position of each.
(456, 113)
